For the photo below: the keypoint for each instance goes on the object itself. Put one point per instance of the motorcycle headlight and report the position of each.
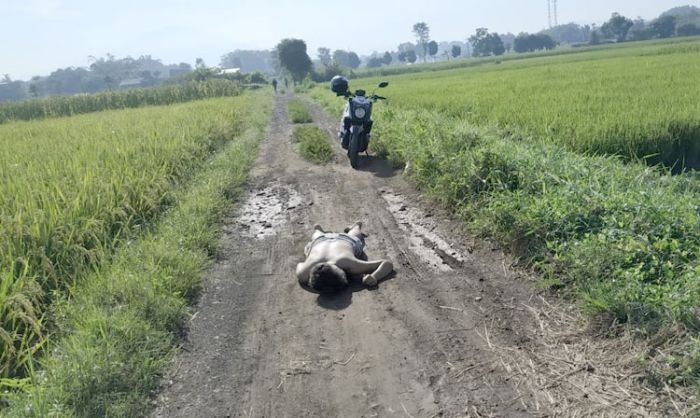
(360, 112)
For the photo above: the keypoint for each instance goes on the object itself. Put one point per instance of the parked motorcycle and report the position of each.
(356, 122)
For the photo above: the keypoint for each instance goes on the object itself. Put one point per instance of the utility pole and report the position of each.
(552, 13)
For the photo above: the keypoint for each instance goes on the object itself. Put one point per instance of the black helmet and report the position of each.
(339, 85)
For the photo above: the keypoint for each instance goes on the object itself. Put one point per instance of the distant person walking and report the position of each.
(274, 84)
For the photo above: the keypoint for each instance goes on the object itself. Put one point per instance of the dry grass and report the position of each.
(565, 370)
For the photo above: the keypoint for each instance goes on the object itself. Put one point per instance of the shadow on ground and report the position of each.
(377, 166)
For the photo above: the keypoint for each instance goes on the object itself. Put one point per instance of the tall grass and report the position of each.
(312, 143)
(72, 190)
(58, 106)
(118, 331)
(642, 105)
(298, 111)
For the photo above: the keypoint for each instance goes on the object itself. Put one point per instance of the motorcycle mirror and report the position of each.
(383, 84)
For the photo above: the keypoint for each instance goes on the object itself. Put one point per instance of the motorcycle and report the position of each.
(356, 122)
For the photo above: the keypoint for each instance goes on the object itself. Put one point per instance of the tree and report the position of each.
(402, 56)
(324, 55)
(595, 38)
(411, 56)
(346, 59)
(664, 27)
(374, 62)
(422, 32)
(485, 43)
(688, 29)
(387, 58)
(432, 49)
(456, 51)
(617, 27)
(293, 57)
(529, 43)
(354, 60)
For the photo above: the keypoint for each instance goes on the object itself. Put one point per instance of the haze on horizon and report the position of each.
(43, 35)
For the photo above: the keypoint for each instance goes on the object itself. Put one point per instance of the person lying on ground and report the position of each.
(332, 257)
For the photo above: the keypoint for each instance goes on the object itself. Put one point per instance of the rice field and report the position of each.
(641, 104)
(57, 106)
(72, 190)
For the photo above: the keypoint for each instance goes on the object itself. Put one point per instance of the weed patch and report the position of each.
(298, 111)
(313, 143)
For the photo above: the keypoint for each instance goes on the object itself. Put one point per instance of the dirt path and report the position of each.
(451, 334)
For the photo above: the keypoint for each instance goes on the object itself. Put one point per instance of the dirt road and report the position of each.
(455, 332)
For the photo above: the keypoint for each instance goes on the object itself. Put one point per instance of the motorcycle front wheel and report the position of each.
(354, 150)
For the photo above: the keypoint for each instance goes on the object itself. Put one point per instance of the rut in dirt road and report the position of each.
(424, 344)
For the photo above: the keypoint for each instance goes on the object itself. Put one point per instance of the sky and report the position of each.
(39, 36)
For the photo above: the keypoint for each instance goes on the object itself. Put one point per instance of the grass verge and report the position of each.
(312, 143)
(118, 330)
(298, 111)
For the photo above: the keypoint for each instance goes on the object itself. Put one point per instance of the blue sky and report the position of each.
(38, 36)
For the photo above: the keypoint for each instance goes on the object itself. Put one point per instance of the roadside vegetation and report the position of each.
(109, 222)
(298, 111)
(58, 106)
(518, 152)
(641, 106)
(312, 143)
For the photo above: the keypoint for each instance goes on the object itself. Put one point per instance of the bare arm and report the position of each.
(372, 270)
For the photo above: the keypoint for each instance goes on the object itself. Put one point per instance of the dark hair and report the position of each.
(325, 278)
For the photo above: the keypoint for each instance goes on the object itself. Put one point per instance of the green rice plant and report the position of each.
(58, 106)
(313, 144)
(298, 111)
(118, 331)
(639, 102)
(73, 190)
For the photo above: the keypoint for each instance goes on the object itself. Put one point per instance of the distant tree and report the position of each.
(529, 43)
(595, 38)
(402, 56)
(324, 55)
(340, 57)
(249, 60)
(422, 32)
(231, 60)
(456, 51)
(375, 62)
(485, 43)
(199, 63)
(293, 57)
(688, 29)
(570, 33)
(346, 59)
(432, 49)
(411, 56)
(354, 60)
(387, 58)
(664, 26)
(34, 90)
(617, 27)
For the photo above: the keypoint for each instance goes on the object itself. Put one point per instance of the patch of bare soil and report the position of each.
(456, 332)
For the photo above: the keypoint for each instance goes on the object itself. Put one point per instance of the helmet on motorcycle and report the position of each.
(339, 85)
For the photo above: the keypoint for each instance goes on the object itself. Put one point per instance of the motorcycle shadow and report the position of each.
(377, 166)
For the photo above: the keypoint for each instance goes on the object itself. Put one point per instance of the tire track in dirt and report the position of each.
(422, 345)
